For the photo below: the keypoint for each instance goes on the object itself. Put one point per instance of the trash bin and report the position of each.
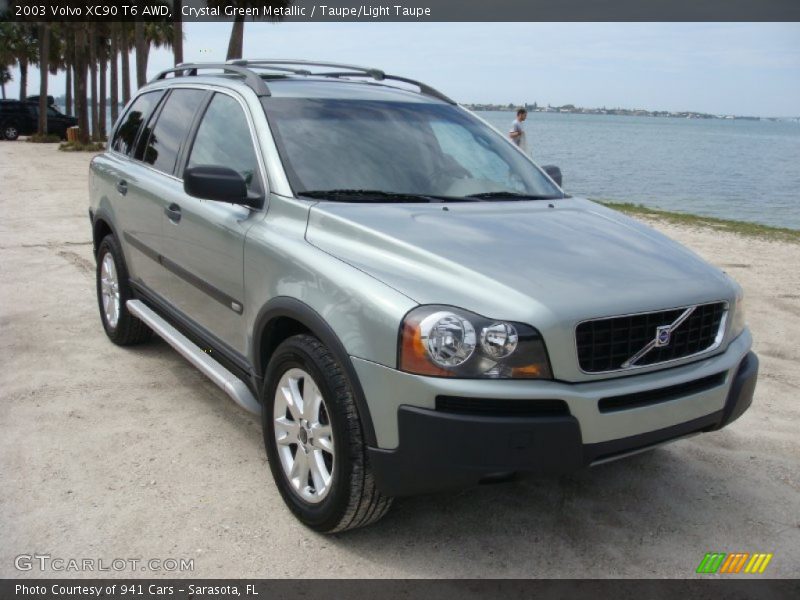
(73, 133)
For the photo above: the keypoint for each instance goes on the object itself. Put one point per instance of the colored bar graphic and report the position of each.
(720, 562)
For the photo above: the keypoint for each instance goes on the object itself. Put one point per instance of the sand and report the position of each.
(112, 453)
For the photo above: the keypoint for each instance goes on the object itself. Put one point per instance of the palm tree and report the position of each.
(60, 58)
(236, 43)
(157, 34)
(44, 58)
(5, 77)
(80, 63)
(177, 31)
(114, 77)
(103, 56)
(92, 27)
(124, 44)
(7, 59)
(19, 44)
(140, 44)
(69, 59)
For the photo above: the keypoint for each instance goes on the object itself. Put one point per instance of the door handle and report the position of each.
(122, 187)
(173, 212)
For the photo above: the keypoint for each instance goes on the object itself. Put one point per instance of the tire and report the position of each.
(113, 291)
(350, 498)
(10, 132)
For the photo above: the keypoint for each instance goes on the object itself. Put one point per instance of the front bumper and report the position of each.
(440, 451)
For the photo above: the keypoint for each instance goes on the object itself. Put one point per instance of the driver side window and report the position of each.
(223, 139)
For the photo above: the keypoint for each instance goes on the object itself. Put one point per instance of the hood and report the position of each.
(537, 262)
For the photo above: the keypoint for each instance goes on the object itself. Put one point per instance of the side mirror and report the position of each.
(554, 172)
(211, 182)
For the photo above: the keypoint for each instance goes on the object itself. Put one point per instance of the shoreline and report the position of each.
(744, 228)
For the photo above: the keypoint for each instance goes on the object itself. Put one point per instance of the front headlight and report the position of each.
(738, 321)
(450, 342)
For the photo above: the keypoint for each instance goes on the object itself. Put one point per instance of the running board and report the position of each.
(230, 384)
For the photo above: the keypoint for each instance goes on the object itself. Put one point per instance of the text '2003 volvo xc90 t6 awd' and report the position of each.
(409, 302)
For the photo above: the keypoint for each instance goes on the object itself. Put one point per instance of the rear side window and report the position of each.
(169, 132)
(223, 139)
(136, 115)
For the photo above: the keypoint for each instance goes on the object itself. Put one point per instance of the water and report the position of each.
(732, 169)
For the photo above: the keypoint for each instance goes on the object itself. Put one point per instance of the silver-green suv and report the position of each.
(410, 303)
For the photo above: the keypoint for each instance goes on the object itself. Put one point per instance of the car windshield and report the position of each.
(358, 150)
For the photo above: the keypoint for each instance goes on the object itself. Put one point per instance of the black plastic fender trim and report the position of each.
(285, 306)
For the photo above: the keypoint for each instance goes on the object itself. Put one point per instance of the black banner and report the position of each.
(389, 589)
(403, 10)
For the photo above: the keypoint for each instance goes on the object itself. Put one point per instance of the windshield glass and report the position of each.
(435, 150)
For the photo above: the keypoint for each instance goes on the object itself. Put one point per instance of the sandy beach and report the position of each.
(111, 453)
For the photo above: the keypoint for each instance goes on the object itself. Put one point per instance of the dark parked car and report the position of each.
(22, 118)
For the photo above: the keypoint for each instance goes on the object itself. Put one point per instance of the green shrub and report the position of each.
(78, 147)
(50, 138)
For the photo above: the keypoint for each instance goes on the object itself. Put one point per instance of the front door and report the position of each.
(205, 239)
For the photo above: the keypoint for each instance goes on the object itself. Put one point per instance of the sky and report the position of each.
(719, 68)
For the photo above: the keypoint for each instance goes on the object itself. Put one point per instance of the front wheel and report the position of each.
(314, 439)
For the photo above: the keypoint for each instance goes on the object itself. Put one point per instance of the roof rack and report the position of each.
(250, 77)
(351, 71)
(245, 67)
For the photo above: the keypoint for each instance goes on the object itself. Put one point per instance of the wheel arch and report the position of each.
(101, 227)
(283, 317)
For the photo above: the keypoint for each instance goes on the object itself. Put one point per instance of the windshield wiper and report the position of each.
(377, 196)
(511, 196)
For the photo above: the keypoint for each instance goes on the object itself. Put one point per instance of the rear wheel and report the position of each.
(314, 439)
(113, 291)
(10, 131)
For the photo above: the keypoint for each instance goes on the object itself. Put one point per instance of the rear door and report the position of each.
(205, 239)
(119, 177)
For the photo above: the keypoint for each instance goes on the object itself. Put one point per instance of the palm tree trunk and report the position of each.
(68, 107)
(23, 79)
(80, 82)
(102, 97)
(177, 33)
(114, 83)
(236, 44)
(44, 56)
(126, 62)
(93, 72)
(69, 60)
(141, 53)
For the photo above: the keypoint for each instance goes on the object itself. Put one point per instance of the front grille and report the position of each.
(605, 344)
(496, 407)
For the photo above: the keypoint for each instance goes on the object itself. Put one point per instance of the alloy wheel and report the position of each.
(303, 435)
(109, 289)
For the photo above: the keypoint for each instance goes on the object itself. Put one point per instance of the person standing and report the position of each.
(517, 133)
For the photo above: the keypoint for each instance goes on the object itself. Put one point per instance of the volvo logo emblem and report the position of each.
(663, 338)
(663, 335)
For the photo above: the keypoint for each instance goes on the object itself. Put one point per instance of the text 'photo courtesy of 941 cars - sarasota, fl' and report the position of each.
(410, 303)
